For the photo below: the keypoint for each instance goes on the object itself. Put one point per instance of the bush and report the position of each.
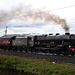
(35, 66)
(8, 62)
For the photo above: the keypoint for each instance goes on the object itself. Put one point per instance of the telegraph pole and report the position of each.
(6, 31)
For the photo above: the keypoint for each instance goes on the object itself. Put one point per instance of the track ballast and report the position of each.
(51, 58)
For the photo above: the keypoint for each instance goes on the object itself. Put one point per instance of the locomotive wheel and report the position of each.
(21, 50)
(72, 53)
(8, 49)
(14, 49)
(26, 50)
(4, 48)
(65, 54)
(58, 54)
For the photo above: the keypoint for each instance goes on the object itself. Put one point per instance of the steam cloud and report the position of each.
(26, 13)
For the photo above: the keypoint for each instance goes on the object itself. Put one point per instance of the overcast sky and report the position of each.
(65, 9)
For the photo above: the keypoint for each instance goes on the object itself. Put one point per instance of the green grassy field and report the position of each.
(37, 66)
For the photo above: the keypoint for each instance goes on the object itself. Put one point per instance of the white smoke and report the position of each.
(26, 13)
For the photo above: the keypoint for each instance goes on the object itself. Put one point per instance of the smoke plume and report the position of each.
(26, 13)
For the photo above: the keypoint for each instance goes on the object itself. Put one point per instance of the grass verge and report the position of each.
(37, 66)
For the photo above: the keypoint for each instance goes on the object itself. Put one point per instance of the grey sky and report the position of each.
(39, 27)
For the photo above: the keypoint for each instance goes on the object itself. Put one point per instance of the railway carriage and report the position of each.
(5, 43)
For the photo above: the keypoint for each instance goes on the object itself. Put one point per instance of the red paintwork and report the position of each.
(71, 49)
(5, 41)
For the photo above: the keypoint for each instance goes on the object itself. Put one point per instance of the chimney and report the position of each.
(57, 34)
(50, 34)
(67, 33)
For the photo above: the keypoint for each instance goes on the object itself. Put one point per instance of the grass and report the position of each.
(37, 66)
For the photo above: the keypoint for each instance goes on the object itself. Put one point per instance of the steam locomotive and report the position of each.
(54, 44)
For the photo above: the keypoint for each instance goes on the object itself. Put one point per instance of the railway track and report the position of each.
(49, 57)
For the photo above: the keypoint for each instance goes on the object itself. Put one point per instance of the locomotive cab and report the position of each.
(30, 43)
